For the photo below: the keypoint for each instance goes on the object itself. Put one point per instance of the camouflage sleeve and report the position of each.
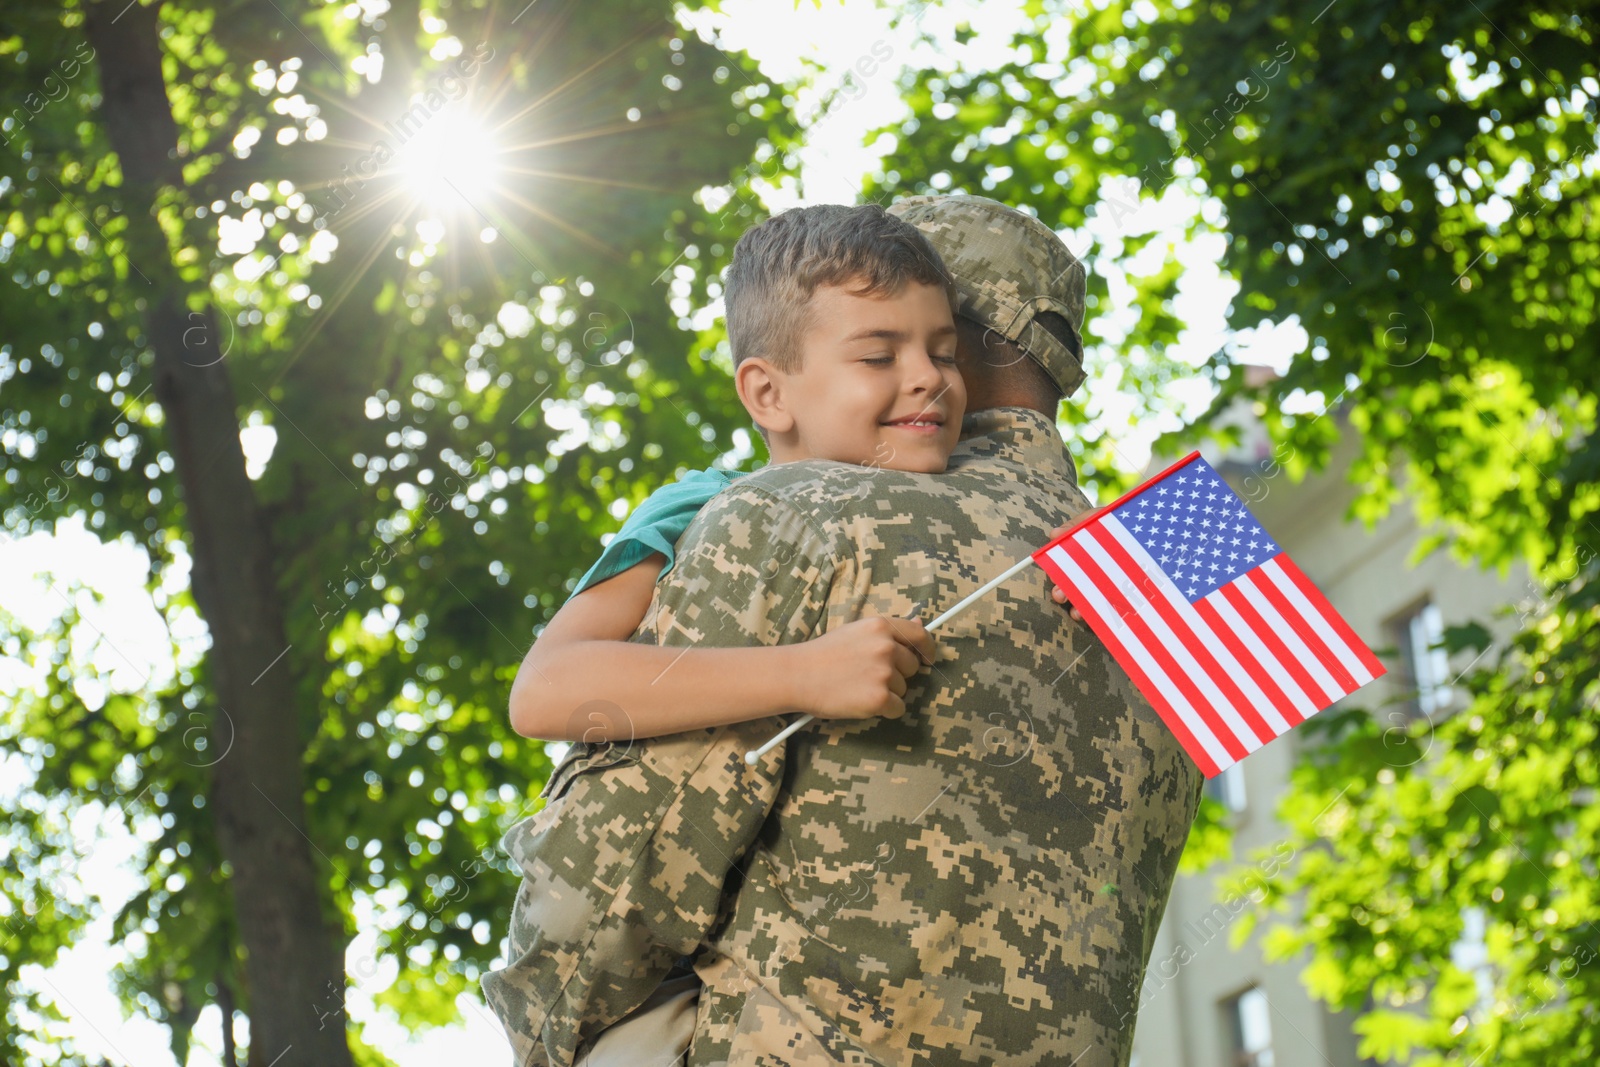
(625, 867)
(752, 569)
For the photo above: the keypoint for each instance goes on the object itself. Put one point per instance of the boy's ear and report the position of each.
(760, 387)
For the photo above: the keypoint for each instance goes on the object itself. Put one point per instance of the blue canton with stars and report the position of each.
(1197, 530)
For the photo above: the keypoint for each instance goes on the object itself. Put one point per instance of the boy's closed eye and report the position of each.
(884, 361)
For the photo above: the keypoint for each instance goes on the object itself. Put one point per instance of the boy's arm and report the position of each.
(584, 657)
(583, 680)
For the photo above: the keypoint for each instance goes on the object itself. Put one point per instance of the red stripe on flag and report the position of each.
(1185, 632)
(1307, 633)
(1333, 618)
(1304, 704)
(1267, 636)
(1157, 650)
(1129, 663)
(1247, 659)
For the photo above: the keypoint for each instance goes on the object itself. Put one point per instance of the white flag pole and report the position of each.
(1022, 564)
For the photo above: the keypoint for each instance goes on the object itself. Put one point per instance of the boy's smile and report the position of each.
(877, 383)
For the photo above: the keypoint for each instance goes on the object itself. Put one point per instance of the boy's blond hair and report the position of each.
(778, 265)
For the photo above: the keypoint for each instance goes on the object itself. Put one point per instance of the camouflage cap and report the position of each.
(1008, 267)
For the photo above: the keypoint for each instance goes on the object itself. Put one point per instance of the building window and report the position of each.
(1426, 665)
(1250, 1019)
(1227, 788)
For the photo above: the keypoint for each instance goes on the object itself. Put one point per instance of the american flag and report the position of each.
(1218, 628)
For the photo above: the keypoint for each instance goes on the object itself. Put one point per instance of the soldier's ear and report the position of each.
(761, 389)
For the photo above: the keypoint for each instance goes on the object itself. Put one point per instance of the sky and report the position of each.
(126, 642)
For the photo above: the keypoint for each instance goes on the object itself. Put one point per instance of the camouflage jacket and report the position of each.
(979, 881)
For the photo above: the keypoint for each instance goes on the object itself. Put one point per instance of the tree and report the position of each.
(1415, 186)
(432, 248)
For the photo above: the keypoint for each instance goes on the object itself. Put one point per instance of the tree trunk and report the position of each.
(294, 963)
(230, 1055)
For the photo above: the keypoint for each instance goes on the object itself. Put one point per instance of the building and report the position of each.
(1204, 1003)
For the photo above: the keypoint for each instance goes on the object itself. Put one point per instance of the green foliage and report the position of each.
(1210, 838)
(1353, 178)
(453, 420)
(1408, 184)
(1492, 809)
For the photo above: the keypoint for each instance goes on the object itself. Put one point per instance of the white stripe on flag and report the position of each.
(1286, 633)
(1174, 645)
(1263, 655)
(1200, 627)
(1148, 663)
(1313, 615)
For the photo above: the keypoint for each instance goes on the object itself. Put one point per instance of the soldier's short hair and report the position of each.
(778, 265)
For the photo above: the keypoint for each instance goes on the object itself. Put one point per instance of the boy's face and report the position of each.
(877, 383)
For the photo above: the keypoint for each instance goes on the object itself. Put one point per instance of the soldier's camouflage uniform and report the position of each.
(978, 882)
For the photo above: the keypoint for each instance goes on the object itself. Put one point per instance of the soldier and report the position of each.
(978, 881)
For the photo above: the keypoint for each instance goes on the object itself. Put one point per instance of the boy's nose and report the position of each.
(922, 374)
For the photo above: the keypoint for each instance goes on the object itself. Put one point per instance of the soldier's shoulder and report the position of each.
(794, 480)
(791, 502)
(808, 484)
(828, 490)
(840, 498)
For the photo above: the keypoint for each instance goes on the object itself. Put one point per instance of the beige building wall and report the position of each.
(1370, 577)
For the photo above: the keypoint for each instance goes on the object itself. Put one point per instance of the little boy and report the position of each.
(840, 320)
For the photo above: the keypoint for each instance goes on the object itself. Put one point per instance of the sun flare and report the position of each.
(451, 158)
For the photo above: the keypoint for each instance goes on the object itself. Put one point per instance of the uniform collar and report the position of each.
(1017, 435)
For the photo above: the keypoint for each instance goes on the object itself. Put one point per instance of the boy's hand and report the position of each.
(1056, 592)
(859, 670)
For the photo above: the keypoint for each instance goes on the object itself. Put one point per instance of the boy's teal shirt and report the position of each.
(656, 524)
